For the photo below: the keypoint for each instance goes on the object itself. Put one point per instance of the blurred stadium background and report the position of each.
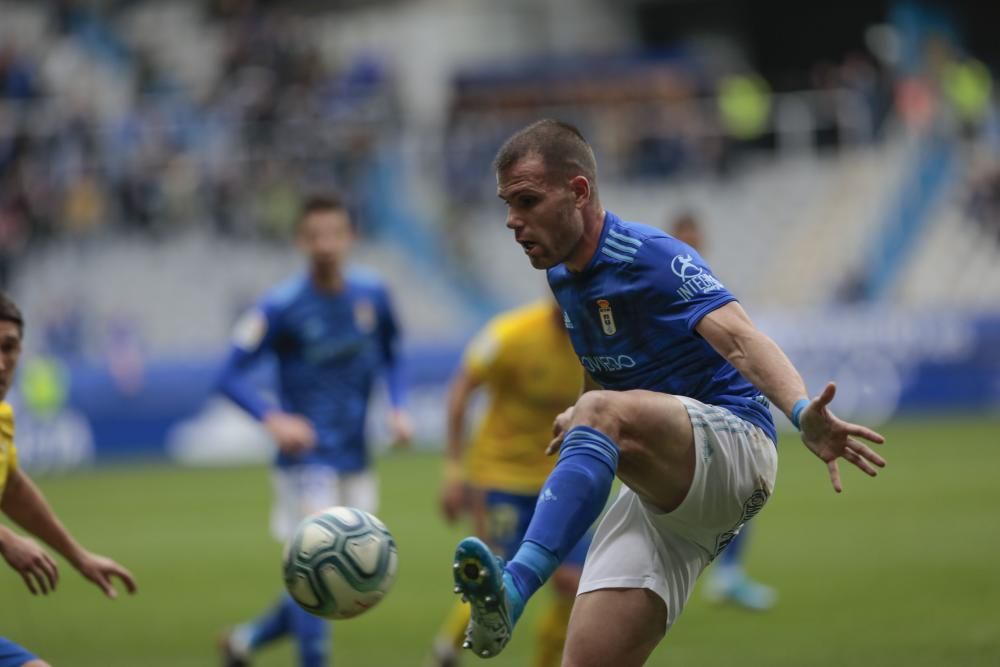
(844, 159)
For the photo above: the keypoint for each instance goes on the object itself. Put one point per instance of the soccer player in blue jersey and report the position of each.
(23, 503)
(332, 332)
(678, 387)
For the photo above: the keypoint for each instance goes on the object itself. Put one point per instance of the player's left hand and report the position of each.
(559, 428)
(831, 438)
(402, 428)
(100, 570)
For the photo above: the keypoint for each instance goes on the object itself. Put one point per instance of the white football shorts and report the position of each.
(636, 546)
(302, 490)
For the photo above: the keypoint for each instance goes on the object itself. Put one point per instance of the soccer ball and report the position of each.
(340, 562)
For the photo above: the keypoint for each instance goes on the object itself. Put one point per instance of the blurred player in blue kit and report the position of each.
(678, 387)
(332, 332)
(22, 502)
(727, 580)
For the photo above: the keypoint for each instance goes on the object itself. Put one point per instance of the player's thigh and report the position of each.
(614, 626)
(358, 489)
(655, 440)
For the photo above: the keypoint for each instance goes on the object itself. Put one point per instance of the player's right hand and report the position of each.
(31, 561)
(831, 438)
(452, 499)
(294, 434)
(101, 570)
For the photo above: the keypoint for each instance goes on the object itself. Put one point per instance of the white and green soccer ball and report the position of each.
(340, 563)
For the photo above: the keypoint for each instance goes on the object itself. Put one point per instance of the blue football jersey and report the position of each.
(329, 348)
(631, 316)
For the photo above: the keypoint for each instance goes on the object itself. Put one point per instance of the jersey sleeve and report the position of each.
(483, 351)
(253, 337)
(389, 337)
(681, 281)
(7, 433)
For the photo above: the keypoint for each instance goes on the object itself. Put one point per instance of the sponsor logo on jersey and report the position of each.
(609, 363)
(684, 267)
(547, 495)
(696, 280)
(566, 321)
(607, 317)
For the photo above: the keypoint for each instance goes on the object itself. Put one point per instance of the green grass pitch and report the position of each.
(902, 570)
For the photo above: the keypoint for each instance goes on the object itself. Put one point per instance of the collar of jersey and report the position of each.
(609, 220)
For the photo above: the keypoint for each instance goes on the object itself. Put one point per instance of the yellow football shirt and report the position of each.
(526, 363)
(8, 454)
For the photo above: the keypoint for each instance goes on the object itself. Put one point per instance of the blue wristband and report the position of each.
(797, 409)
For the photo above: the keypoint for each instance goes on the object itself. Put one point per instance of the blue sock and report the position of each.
(732, 555)
(312, 634)
(571, 500)
(274, 624)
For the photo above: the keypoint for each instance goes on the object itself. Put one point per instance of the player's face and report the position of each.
(326, 238)
(543, 213)
(10, 352)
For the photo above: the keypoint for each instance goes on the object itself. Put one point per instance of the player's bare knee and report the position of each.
(598, 410)
(36, 663)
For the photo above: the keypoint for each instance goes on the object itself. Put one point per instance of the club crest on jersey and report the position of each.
(607, 318)
(364, 316)
(249, 331)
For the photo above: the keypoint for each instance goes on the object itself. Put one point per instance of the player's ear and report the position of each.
(580, 186)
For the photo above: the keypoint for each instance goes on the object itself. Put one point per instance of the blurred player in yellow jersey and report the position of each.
(23, 503)
(523, 360)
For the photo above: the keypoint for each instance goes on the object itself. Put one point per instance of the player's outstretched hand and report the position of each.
(402, 429)
(100, 570)
(30, 560)
(831, 438)
(294, 434)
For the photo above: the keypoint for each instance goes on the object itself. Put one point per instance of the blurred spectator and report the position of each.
(17, 77)
(13, 235)
(168, 162)
(685, 228)
(968, 87)
(85, 209)
(983, 204)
